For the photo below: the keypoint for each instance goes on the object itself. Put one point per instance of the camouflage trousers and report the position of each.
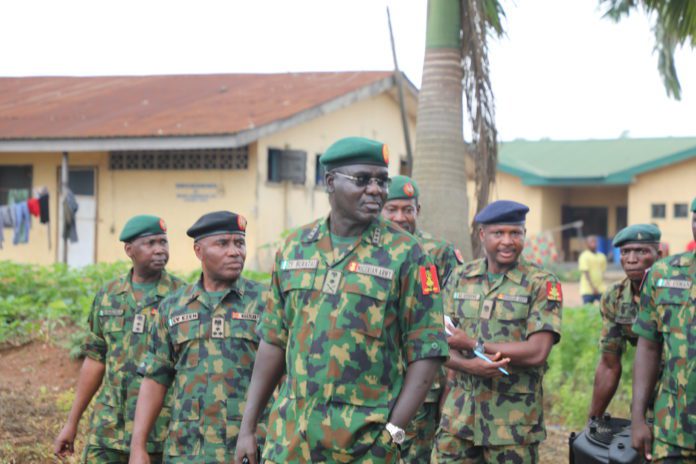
(100, 455)
(420, 434)
(450, 449)
(664, 453)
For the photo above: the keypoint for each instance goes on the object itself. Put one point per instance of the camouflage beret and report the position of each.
(693, 206)
(217, 223)
(503, 212)
(142, 226)
(355, 150)
(640, 233)
(403, 188)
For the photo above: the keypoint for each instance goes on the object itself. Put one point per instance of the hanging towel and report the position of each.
(22, 223)
(17, 196)
(70, 226)
(33, 205)
(43, 208)
(6, 220)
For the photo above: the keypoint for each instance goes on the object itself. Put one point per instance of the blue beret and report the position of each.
(502, 212)
(641, 233)
(217, 223)
(142, 226)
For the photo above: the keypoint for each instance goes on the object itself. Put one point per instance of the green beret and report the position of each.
(142, 226)
(217, 223)
(403, 188)
(639, 233)
(355, 150)
(693, 206)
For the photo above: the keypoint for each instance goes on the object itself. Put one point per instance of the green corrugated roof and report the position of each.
(591, 162)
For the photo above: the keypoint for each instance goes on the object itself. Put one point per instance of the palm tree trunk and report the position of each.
(440, 151)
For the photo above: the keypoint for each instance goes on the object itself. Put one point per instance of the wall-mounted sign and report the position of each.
(196, 193)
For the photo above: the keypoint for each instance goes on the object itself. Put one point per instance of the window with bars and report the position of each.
(203, 159)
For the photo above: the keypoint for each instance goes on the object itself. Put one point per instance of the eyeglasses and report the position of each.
(363, 181)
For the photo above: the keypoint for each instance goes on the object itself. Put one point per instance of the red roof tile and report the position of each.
(86, 107)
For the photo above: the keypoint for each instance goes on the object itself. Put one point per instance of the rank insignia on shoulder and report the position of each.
(245, 316)
(428, 279)
(458, 255)
(554, 291)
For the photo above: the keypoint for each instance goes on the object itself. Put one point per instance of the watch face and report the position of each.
(399, 437)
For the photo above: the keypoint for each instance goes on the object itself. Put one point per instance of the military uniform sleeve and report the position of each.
(611, 339)
(647, 323)
(272, 327)
(420, 310)
(159, 361)
(94, 346)
(545, 313)
(447, 263)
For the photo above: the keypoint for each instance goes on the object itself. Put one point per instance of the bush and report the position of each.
(569, 381)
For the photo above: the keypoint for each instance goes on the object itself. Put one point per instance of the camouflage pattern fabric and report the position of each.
(420, 432)
(450, 449)
(444, 254)
(349, 322)
(118, 336)
(664, 453)
(204, 352)
(619, 312)
(668, 304)
(506, 410)
(100, 455)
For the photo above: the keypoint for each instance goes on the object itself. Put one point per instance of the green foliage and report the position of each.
(564, 273)
(569, 381)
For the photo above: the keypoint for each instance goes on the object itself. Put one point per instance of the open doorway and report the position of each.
(82, 181)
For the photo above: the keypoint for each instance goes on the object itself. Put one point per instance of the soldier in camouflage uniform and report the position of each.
(510, 311)
(666, 328)
(202, 349)
(354, 300)
(639, 245)
(121, 314)
(403, 208)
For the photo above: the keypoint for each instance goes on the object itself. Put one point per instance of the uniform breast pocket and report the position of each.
(112, 324)
(362, 304)
(511, 310)
(297, 285)
(186, 337)
(466, 305)
(627, 314)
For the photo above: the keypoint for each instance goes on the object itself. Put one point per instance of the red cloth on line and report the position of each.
(33, 205)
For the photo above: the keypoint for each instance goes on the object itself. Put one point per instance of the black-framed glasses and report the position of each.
(364, 180)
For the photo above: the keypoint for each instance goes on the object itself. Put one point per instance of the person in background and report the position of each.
(592, 265)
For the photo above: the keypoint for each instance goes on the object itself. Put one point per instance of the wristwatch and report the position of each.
(479, 346)
(397, 433)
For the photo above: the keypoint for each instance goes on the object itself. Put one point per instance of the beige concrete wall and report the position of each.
(669, 185)
(270, 208)
(510, 187)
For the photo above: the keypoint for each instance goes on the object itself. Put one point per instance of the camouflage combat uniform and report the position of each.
(420, 433)
(119, 323)
(619, 311)
(668, 304)
(349, 322)
(500, 419)
(206, 351)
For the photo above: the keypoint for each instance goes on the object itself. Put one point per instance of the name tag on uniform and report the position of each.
(218, 327)
(466, 296)
(111, 312)
(245, 316)
(370, 269)
(298, 264)
(139, 324)
(514, 298)
(332, 282)
(182, 318)
(674, 283)
(487, 309)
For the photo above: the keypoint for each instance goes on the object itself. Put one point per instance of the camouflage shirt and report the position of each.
(505, 410)
(619, 311)
(118, 330)
(206, 351)
(667, 307)
(445, 256)
(349, 322)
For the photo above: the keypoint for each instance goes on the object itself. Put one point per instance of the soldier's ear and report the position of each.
(197, 250)
(128, 248)
(329, 182)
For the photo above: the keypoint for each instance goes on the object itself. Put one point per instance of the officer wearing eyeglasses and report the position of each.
(355, 321)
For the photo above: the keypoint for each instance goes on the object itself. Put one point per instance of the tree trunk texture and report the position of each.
(440, 152)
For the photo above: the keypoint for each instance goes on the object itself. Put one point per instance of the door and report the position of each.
(82, 182)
